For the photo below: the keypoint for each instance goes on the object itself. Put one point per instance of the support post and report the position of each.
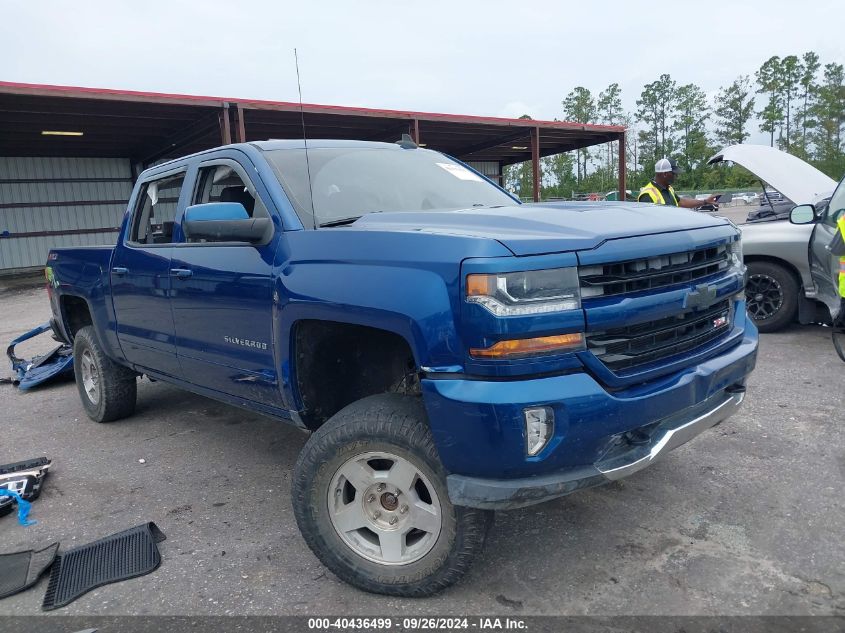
(622, 168)
(225, 127)
(415, 131)
(535, 161)
(135, 169)
(240, 126)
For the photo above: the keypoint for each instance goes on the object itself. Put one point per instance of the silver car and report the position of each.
(791, 272)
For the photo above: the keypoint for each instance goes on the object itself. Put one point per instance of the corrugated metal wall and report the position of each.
(489, 168)
(49, 202)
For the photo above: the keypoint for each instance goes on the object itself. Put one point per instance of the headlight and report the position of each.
(524, 293)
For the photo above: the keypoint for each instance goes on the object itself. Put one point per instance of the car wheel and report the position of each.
(771, 296)
(108, 391)
(838, 336)
(370, 499)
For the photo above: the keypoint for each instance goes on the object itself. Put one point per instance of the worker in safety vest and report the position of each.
(838, 248)
(659, 190)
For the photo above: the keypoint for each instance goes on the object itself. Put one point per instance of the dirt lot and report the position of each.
(746, 519)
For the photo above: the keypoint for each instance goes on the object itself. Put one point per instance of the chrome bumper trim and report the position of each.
(664, 440)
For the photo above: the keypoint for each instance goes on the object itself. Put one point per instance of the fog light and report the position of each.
(539, 426)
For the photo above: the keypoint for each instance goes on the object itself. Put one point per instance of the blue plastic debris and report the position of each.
(23, 506)
(30, 373)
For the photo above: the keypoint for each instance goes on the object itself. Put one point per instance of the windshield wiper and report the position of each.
(341, 221)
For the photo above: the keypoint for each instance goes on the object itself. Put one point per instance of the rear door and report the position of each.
(824, 265)
(222, 294)
(140, 276)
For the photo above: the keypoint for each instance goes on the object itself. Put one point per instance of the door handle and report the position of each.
(120, 271)
(181, 273)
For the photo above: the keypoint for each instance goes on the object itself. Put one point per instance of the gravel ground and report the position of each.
(745, 520)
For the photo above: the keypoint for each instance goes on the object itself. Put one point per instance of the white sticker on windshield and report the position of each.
(460, 172)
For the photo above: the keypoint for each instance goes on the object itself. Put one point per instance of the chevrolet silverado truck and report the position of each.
(450, 350)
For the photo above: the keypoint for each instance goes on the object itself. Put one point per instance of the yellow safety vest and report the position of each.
(841, 224)
(656, 195)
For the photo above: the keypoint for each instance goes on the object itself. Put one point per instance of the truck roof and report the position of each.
(280, 144)
(274, 144)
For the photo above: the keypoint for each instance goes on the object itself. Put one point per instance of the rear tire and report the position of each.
(370, 499)
(771, 295)
(838, 336)
(108, 391)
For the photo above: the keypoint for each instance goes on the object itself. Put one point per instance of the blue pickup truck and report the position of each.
(450, 350)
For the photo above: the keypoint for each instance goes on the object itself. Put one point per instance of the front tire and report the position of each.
(771, 296)
(108, 391)
(370, 499)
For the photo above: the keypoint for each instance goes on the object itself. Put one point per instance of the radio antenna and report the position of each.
(305, 141)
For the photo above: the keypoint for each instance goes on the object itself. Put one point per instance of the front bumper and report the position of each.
(622, 460)
(600, 435)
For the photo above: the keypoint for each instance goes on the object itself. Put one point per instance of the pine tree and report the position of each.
(654, 110)
(810, 67)
(829, 110)
(790, 79)
(691, 113)
(768, 80)
(610, 112)
(734, 107)
(579, 106)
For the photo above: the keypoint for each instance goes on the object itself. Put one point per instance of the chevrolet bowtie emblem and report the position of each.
(701, 297)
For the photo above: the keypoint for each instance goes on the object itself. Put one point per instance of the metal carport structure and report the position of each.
(69, 152)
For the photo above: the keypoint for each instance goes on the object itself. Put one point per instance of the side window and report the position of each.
(155, 212)
(837, 205)
(221, 183)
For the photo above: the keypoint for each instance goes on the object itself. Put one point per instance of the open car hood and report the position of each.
(800, 182)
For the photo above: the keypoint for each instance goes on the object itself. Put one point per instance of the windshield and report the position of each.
(350, 182)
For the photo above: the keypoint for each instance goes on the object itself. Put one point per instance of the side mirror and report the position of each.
(224, 222)
(803, 214)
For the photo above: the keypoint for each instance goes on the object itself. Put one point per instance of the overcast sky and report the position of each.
(487, 58)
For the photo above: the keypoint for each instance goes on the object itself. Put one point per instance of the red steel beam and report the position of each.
(622, 168)
(13, 88)
(240, 126)
(225, 128)
(535, 161)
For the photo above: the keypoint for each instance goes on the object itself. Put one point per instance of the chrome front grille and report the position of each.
(626, 347)
(661, 271)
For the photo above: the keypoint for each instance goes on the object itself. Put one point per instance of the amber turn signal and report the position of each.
(481, 285)
(530, 346)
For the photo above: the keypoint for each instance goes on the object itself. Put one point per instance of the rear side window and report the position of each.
(155, 212)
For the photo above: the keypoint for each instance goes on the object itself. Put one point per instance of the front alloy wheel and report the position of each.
(370, 499)
(384, 508)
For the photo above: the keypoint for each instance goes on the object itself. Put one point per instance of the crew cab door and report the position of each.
(140, 275)
(824, 265)
(222, 293)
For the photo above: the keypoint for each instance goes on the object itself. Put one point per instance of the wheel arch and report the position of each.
(353, 360)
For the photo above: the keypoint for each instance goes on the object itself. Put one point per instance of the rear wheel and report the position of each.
(838, 336)
(107, 390)
(370, 499)
(771, 296)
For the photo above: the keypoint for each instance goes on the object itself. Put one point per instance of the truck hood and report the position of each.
(800, 182)
(535, 229)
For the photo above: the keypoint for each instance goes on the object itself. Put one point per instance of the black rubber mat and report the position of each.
(21, 570)
(117, 557)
